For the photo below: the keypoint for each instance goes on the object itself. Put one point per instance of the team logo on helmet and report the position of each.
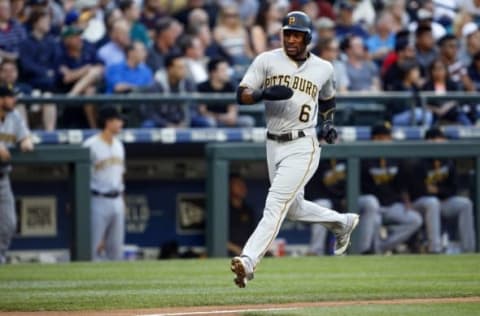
(291, 20)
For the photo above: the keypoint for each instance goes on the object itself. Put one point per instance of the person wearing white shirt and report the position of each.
(107, 155)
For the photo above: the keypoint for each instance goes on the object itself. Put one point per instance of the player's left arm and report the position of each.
(23, 134)
(327, 106)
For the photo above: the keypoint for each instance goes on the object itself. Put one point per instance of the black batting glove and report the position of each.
(328, 133)
(273, 93)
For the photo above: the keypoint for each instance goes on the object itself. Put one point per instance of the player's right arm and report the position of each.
(250, 89)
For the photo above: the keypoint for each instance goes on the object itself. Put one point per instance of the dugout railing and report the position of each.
(220, 155)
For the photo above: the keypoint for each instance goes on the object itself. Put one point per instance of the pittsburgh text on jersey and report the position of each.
(295, 83)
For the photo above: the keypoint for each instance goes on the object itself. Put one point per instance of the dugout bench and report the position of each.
(219, 156)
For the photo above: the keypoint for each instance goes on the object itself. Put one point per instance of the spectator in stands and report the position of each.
(38, 54)
(382, 41)
(400, 17)
(362, 73)
(197, 18)
(405, 53)
(457, 71)
(164, 43)
(364, 13)
(11, 33)
(80, 72)
(138, 31)
(474, 71)
(192, 5)
(212, 48)
(345, 25)
(54, 10)
(231, 34)
(328, 49)
(194, 53)
(325, 28)
(9, 78)
(19, 11)
(439, 82)
(265, 33)
(247, 9)
(152, 12)
(113, 52)
(242, 216)
(425, 18)
(227, 114)
(470, 43)
(310, 8)
(425, 47)
(172, 80)
(472, 7)
(131, 74)
(436, 180)
(403, 113)
(384, 179)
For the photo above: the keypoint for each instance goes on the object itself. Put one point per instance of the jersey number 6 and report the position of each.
(305, 113)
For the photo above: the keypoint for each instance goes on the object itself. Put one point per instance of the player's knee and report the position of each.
(416, 220)
(369, 204)
(432, 205)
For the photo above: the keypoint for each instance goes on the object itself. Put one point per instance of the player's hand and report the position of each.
(328, 133)
(4, 154)
(274, 93)
(26, 144)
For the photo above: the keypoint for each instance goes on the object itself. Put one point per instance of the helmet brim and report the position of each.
(295, 28)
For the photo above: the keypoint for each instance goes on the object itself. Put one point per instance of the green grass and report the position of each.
(380, 310)
(81, 286)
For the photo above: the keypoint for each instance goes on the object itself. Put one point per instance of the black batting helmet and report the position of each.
(298, 21)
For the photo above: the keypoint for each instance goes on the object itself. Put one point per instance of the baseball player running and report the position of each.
(107, 155)
(13, 131)
(295, 85)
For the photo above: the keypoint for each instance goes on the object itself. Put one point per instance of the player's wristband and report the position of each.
(257, 95)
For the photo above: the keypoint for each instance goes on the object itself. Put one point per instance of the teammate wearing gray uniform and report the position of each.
(435, 188)
(107, 156)
(13, 131)
(295, 86)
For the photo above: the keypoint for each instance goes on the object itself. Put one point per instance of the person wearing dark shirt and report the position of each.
(11, 33)
(405, 113)
(172, 80)
(405, 53)
(79, 71)
(440, 83)
(38, 54)
(242, 216)
(9, 77)
(225, 115)
(345, 25)
(384, 179)
(435, 185)
(164, 43)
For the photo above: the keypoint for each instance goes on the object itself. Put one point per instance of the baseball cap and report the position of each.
(71, 30)
(469, 29)
(434, 132)
(7, 91)
(381, 128)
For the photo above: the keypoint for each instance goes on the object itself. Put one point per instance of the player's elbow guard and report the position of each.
(327, 109)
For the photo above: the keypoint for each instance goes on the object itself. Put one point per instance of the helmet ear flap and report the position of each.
(308, 38)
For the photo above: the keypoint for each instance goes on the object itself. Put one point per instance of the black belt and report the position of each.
(286, 137)
(112, 194)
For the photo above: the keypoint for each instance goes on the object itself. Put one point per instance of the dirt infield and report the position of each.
(236, 309)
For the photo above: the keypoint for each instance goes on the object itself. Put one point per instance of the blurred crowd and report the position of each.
(88, 47)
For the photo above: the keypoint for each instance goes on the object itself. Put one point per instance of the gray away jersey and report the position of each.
(313, 80)
(12, 130)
